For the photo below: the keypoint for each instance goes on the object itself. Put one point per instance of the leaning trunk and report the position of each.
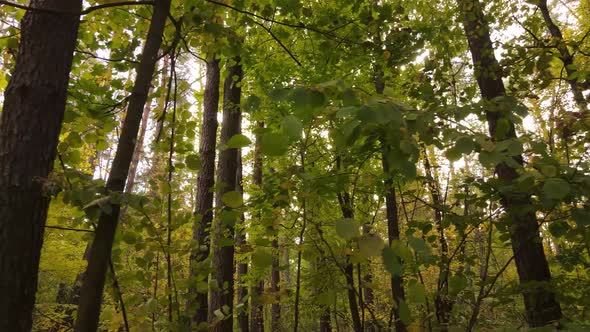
(100, 253)
(223, 256)
(540, 303)
(30, 122)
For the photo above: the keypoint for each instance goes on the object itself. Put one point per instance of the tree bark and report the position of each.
(397, 281)
(442, 303)
(30, 122)
(100, 253)
(541, 305)
(205, 181)
(242, 267)
(345, 202)
(256, 308)
(223, 256)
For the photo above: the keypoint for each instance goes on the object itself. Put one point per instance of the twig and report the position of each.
(81, 13)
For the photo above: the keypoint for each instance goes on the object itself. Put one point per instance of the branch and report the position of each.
(280, 43)
(81, 13)
(105, 59)
(116, 4)
(300, 25)
(70, 229)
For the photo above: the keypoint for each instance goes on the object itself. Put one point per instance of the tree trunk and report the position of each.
(541, 305)
(566, 57)
(138, 148)
(205, 181)
(100, 254)
(275, 280)
(442, 304)
(256, 308)
(397, 281)
(347, 212)
(223, 255)
(30, 122)
(242, 267)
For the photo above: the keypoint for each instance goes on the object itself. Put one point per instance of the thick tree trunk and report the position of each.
(100, 253)
(256, 308)
(541, 305)
(30, 122)
(223, 256)
(198, 304)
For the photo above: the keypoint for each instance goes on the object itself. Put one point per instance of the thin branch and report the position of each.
(279, 42)
(81, 13)
(69, 229)
(105, 59)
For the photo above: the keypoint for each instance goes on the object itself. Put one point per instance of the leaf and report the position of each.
(391, 261)
(292, 126)
(416, 292)
(556, 188)
(418, 244)
(274, 144)
(262, 258)
(193, 162)
(502, 128)
(233, 199)
(404, 312)
(238, 141)
(464, 145)
(346, 228)
(370, 245)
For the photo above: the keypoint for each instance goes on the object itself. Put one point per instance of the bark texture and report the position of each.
(205, 181)
(100, 253)
(540, 303)
(223, 256)
(30, 122)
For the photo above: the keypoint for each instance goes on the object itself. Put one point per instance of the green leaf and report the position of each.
(502, 128)
(347, 228)
(262, 258)
(391, 261)
(370, 245)
(416, 292)
(556, 188)
(193, 162)
(274, 144)
(418, 244)
(404, 312)
(464, 145)
(238, 141)
(292, 126)
(233, 199)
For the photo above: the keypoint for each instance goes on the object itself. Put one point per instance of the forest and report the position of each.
(294, 165)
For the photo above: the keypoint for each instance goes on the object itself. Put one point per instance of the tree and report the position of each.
(541, 305)
(205, 182)
(100, 252)
(222, 297)
(31, 118)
